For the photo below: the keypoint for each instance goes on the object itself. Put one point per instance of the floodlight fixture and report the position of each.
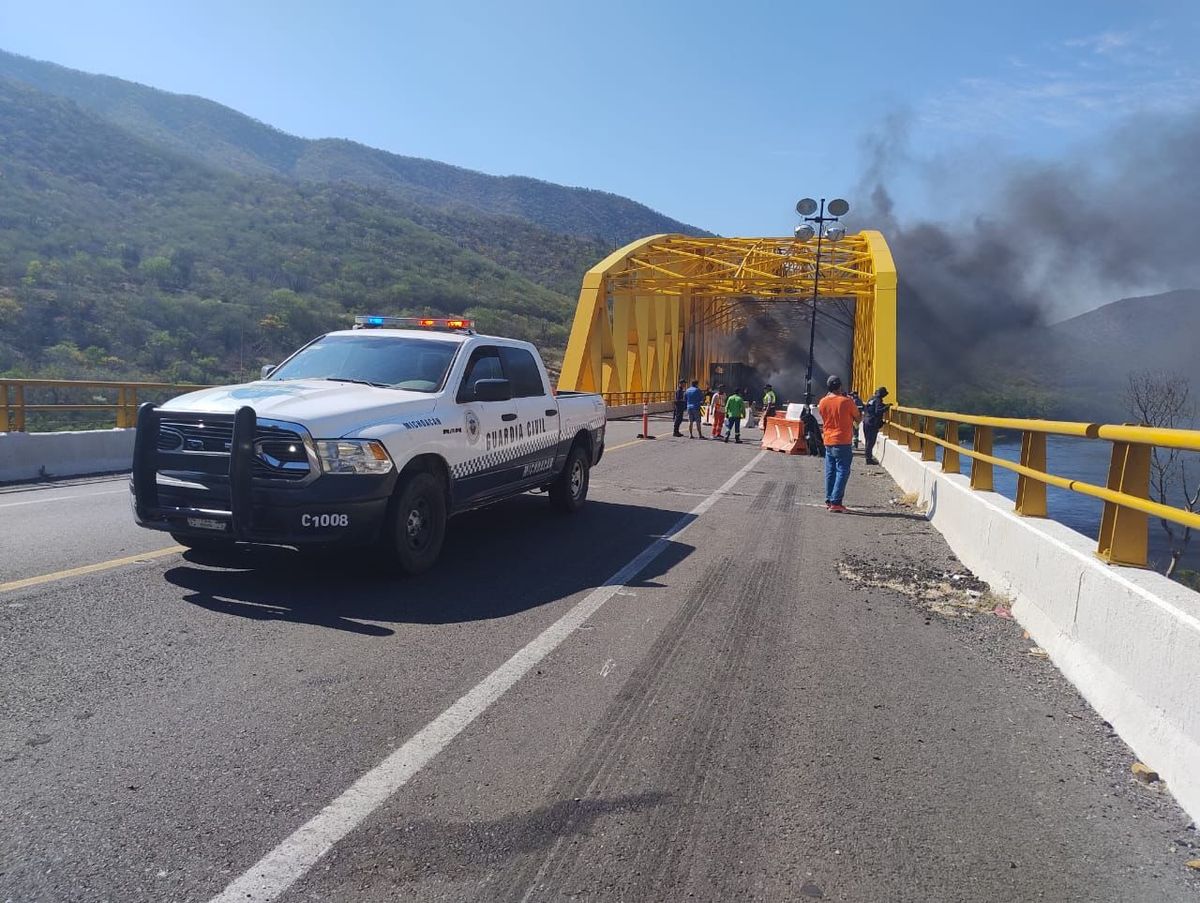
(824, 225)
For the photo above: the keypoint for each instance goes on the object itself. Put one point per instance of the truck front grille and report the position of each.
(280, 454)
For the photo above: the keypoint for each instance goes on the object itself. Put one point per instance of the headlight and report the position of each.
(353, 456)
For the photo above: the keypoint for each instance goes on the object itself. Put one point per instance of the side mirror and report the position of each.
(267, 370)
(493, 390)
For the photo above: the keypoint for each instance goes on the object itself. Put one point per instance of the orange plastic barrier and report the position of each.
(783, 435)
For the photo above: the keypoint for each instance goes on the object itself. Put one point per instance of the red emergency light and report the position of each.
(372, 322)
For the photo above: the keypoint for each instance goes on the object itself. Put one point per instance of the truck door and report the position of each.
(485, 469)
(537, 417)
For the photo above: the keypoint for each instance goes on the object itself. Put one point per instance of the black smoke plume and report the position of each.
(1049, 240)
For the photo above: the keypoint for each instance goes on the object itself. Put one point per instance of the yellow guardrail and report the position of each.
(613, 399)
(1124, 525)
(21, 397)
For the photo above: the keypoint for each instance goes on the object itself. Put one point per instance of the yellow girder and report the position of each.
(644, 305)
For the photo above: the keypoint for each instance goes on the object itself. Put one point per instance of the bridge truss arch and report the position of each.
(660, 309)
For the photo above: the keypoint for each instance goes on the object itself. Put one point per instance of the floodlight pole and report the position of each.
(819, 219)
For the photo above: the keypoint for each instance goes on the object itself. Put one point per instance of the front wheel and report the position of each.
(418, 525)
(569, 491)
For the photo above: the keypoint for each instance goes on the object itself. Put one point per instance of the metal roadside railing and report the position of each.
(20, 398)
(613, 399)
(1124, 525)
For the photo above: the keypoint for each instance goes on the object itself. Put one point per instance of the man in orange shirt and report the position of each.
(839, 417)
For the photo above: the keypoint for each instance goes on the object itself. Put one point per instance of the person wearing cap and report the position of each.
(858, 403)
(735, 410)
(874, 412)
(839, 418)
(770, 401)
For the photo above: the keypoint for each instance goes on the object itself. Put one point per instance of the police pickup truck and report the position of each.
(375, 434)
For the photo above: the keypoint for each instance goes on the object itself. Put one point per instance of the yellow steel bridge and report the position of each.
(659, 309)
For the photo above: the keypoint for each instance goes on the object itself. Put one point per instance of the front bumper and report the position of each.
(331, 508)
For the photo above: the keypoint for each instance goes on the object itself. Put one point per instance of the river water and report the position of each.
(1085, 460)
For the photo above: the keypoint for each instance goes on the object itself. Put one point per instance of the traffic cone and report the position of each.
(645, 433)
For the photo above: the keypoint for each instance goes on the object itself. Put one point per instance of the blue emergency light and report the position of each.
(453, 324)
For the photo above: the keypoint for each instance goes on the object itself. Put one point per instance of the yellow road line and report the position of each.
(88, 569)
(623, 445)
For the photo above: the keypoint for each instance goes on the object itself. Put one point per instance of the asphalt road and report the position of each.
(763, 706)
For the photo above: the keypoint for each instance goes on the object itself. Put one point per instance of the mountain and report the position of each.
(119, 258)
(225, 138)
(1076, 369)
(1090, 356)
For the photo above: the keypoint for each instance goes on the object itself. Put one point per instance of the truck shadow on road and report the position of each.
(496, 562)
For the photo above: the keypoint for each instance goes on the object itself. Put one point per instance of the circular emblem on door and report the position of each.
(472, 427)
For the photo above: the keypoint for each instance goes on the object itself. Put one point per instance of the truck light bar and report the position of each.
(363, 321)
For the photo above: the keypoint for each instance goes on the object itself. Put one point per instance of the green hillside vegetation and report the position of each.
(121, 259)
(224, 138)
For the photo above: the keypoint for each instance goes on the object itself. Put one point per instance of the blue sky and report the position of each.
(718, 114)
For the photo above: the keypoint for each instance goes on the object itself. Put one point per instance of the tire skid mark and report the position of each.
(764, 496)
(593, 768)
(618, 742)
(655, 868)
(681, 853)
(787, 499)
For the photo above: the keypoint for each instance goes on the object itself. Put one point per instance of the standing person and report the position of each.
(680, 409)
(735, 409)
(692, 399)
(858, 403)
(839, 416)
(718, 408)
(770, 402)
(812, 432)
(873, 415)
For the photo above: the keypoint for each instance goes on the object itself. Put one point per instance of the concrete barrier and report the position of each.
(31, 456)
(1128, 639)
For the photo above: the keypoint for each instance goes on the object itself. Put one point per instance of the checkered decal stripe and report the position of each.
(498, 457)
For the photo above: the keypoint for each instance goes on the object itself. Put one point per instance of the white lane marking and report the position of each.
(62, 498)
(288, 862)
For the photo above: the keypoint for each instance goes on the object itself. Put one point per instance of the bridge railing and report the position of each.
(615, 399)
(1124, 535)
(57, 402)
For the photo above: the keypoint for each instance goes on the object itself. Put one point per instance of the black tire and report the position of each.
(569, 491)
(418, 526)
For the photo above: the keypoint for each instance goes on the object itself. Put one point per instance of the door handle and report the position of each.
(508, 416)
(551, 412)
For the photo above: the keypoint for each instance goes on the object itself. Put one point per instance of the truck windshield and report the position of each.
(418, 365)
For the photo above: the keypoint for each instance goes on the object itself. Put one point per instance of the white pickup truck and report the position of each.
(375, 434)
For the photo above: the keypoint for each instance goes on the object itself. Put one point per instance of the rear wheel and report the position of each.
(569, 491)
(418, 522)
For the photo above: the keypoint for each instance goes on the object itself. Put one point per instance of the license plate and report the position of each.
(206, 523)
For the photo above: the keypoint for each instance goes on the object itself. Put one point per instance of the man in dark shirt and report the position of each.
(874, 412)
(680, 408)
